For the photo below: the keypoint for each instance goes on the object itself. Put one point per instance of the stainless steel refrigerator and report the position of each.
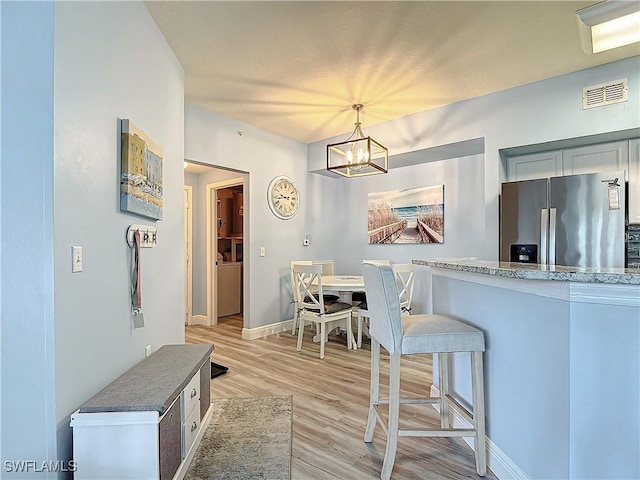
(575, 220)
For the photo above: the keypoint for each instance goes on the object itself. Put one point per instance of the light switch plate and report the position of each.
(76, 259)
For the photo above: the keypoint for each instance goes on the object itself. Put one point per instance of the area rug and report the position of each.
(247, 438)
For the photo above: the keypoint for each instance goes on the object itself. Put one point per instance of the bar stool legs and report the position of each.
(374, 391)
(443, 380)
(391, 425)
(477, 385)
(394, 417)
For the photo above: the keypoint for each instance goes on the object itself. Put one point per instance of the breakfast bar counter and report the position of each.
(562, 364)
(532, 271)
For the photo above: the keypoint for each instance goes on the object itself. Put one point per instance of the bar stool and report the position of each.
(412, 334)
(361, 308)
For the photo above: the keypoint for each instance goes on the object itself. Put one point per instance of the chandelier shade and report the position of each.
(357, 156)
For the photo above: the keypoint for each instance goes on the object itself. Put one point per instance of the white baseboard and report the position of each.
(497, 461)
(199, 320)
(260, 332)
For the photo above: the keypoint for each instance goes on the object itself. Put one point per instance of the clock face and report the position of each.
(283, 198)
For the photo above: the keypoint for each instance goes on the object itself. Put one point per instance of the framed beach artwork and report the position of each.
(140, 173)
(414, 215)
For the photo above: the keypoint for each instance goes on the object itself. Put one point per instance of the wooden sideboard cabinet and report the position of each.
(148, 423)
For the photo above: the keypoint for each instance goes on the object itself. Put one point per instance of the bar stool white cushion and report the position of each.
(437, 333)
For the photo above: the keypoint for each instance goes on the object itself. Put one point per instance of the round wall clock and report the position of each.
(283, 197)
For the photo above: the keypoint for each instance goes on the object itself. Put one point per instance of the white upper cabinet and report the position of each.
(534, 165)
(634, 180)
(602, 157)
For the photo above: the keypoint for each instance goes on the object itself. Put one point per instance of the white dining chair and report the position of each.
(329, 297)
(314, 309)
(404, 273)
(328, 266)
(294, 291)
(418, 334)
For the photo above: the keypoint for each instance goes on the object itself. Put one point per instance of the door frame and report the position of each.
(212, 284)
(188, 212)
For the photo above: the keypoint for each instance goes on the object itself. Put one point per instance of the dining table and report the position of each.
(344, 286)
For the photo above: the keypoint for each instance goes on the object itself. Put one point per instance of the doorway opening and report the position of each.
(219, 236)
(229, 247)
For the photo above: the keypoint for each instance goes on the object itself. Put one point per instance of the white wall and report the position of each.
(540, 112)
(213, 139)
(26, 215)
(111, 62)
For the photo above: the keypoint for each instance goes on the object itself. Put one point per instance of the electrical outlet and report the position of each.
(306, 241)
(147, 351)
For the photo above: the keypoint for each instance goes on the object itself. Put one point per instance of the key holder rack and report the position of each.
(148, 235)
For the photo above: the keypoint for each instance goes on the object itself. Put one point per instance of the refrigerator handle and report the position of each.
(552, 236)
(544, 235)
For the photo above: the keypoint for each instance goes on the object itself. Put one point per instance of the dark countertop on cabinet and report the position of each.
(152, 384)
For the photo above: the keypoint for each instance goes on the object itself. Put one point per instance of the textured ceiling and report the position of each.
(295, 68)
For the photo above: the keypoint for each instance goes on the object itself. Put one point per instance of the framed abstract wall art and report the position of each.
(140, 173)
(414, 215)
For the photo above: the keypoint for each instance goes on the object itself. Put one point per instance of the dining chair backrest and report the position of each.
(377, 262)
(361, 297)
(307, 281)
(404, 279)
(383, 306)
(327, 266)
(296, 299)
(327, 269)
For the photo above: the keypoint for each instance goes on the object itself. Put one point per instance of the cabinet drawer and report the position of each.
(191, 396)
(190, 430)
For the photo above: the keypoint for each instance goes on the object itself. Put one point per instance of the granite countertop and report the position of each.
(153, 383)
(529, 271)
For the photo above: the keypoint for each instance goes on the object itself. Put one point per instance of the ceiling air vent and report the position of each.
(605, 94)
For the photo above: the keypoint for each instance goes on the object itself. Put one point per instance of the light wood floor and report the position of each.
(330, 401)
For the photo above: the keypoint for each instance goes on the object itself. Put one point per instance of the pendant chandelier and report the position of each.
(358, 155)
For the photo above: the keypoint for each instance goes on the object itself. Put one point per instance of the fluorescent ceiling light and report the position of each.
(609, 24)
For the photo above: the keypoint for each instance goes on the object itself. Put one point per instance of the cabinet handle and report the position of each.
(194, 426)
(194, 392)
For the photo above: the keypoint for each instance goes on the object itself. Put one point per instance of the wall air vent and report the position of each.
(605, 94)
